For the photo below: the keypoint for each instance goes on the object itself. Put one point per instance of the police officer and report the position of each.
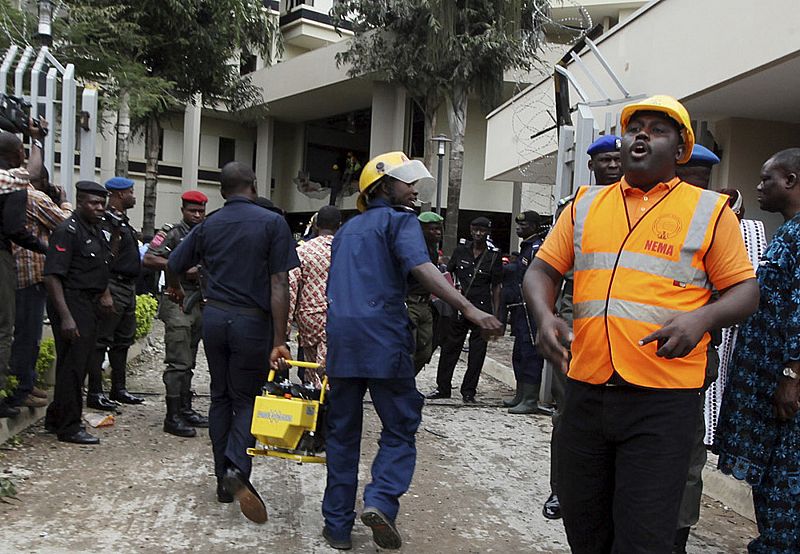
(246, 251)
(418, 300)
(527, 363)
(76, 277)
(117, 330)
(370, 346)
(478, 269)
(182, 326)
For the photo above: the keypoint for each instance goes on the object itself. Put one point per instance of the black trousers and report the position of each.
(452, 343)
(72, 361)
(116, 334)
(623, 461)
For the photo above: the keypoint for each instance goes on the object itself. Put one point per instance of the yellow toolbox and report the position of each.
(288, 422)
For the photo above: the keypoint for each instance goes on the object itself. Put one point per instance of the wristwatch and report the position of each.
(790, 373)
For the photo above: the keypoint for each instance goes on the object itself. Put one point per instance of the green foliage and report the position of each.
(7, 488)
(47, 355)
(146, 307)
(17, 26)
(10, 386)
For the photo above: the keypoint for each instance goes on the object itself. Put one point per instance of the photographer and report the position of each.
(13, 201)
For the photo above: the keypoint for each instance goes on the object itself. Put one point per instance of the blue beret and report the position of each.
(119, 183)
(702, 156)
(90, 187)
(606, 143)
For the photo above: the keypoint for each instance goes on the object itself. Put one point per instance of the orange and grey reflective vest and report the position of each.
(631, 281)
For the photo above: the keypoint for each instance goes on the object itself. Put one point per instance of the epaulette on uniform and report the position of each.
(72, 225)
(493, 248)
(167, 227)
(462, 241)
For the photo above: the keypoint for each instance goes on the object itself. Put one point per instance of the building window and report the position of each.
(227, 151)
(247, 63)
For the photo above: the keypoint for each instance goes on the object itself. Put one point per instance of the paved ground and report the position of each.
(481, 477)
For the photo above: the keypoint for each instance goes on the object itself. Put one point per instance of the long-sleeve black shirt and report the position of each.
(12, 223)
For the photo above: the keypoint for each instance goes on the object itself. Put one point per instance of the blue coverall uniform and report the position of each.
(526, 361)
(240, 247)
(370, 346)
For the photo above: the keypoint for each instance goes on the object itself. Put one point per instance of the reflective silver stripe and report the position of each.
(625, 309)
(701, 219)
(582, 206)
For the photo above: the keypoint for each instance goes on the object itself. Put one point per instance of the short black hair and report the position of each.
(236, 177)
(329, 218)
(788, 160)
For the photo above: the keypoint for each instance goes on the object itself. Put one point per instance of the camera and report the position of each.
(14, 114)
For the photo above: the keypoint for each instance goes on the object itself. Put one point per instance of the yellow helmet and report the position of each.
(394, 164)
(672, 108)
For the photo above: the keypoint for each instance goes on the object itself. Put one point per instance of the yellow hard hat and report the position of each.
(394, 164)
(669, 106)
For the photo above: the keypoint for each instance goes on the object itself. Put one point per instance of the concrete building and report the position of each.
(733, 64)
(317, 115)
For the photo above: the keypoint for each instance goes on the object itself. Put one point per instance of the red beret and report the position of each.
(194, 197)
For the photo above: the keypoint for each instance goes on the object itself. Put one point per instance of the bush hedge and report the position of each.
(146, 307)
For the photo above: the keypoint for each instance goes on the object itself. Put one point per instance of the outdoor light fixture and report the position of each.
(45, 31)
(441, 145)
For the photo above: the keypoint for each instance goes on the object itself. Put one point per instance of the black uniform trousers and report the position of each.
(525, 359)
(237, 347)
(72, 360)
(116, 334)
(452, 342)
(623, 460)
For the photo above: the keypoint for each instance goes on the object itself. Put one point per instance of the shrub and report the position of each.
(9, 387)
(47, 355)
(146, 307)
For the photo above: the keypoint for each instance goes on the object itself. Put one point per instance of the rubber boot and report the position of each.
(173, 423)
(530, 399)
(188, 414)
(517, 397)
(119, 392)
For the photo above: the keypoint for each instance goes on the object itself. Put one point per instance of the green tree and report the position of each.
(155, 56)
(442, 49)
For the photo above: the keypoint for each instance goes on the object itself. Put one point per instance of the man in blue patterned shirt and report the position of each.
(758, 438)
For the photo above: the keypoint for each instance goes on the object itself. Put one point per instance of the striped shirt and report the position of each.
(43, 215)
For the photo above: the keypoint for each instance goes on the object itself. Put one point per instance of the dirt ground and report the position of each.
(481, 478)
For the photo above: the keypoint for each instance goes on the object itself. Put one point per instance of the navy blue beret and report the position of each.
(90, 187)
(702, 156)
(606, 143)
(119, 183)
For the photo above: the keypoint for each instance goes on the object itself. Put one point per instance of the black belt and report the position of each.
(123, 278)
(418, 298)
(240, 310)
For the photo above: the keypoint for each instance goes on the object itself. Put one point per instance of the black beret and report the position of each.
(481, 222)
(90, 187)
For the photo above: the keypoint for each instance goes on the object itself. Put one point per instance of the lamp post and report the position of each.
(45, 30)
(441, 146)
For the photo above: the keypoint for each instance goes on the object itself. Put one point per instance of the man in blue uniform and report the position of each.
(527, 363)
(246, 252)
(118, 329)
(370, 347)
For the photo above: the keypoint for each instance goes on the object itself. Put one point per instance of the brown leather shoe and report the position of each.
(32, 401)
(39, 393)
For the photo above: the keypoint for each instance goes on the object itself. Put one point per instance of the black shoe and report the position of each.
(436, 395)
(79, 437)
(100, 401)
(124, 397)
(384, 533)
(249, 501)
(338, 544)
(223, 495)
(470, 399)
(8, 411)
(552, 507)
(681, 538)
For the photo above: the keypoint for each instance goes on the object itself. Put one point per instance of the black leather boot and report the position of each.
(191, 417)
(174, 423)
(529, 402)
(119, 392)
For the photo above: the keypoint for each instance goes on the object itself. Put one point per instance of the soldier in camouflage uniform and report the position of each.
(183, 324)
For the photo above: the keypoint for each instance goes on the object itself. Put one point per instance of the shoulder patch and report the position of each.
(462, 241)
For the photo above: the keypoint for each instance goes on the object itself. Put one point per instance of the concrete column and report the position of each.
(387, 131)
(191, 143)
(108, 146)
(265, 143)
(516, 208)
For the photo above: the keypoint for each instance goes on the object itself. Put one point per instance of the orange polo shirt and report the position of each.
(727, 262)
